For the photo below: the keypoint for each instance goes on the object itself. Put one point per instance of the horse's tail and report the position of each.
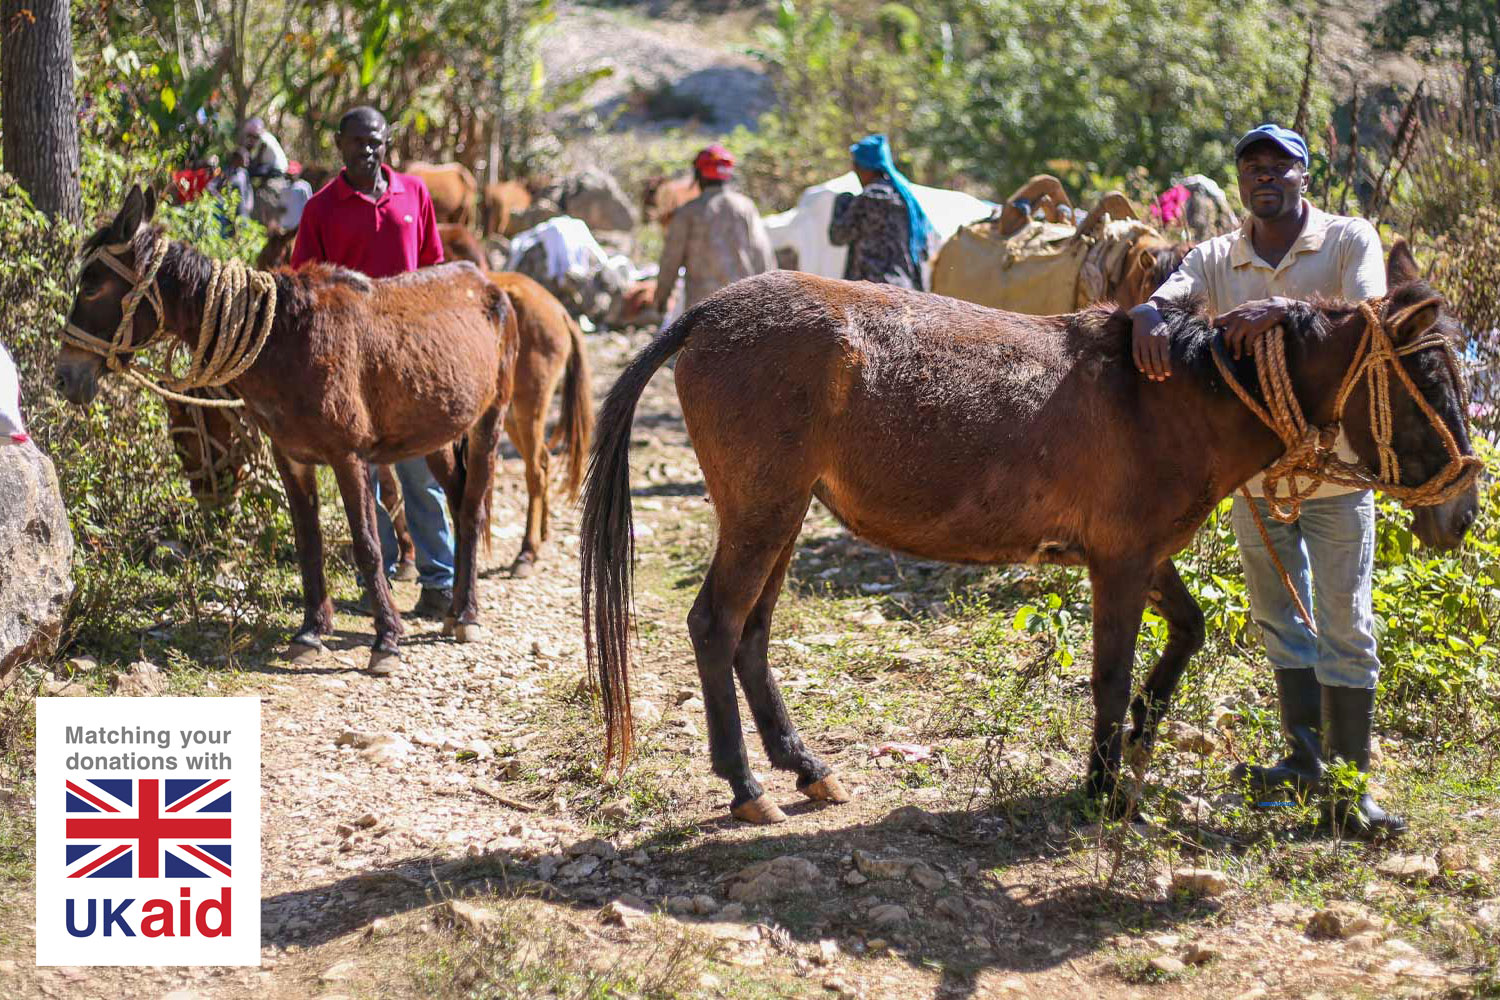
(575, 425)
(607, 548)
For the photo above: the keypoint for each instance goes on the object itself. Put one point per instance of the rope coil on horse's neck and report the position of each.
(1310, 452)
(238, 310)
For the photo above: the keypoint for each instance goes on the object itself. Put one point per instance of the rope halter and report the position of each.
(1310, 453)
(238, 310)
(1310, 459)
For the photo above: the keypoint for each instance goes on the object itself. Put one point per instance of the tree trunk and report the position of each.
(37, 107)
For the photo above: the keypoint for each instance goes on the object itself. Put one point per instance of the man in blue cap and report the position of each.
(885, 228)
(1286, 251)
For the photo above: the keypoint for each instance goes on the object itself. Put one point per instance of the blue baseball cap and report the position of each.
(1288, 140)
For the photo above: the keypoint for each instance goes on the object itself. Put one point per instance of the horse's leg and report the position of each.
(471, 520)
(1119, 599)
(353, 477)
(742, 564)
(527, 432)
(301, 485)
(394, 503)
(1171, 598)
(778, 734)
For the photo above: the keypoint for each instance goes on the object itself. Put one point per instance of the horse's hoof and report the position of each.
(307, 640)
(450, 626)
(761, 811)
(522, 568)
(406, 572)
(826, 789)
(383, 662)
(469, 631)
(301, 653)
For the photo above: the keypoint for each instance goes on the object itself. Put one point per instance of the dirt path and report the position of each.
(474, 774)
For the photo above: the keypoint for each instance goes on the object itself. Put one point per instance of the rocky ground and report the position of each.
(447, 831)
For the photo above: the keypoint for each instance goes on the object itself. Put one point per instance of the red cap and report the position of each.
(715, 163)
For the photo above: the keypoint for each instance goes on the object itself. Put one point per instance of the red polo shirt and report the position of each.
(392, 234)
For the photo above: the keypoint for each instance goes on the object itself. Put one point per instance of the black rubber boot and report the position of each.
(1300, 772)
(1347, 716)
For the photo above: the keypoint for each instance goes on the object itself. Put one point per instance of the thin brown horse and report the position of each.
(551, 356)
(351, 372)
(954, 432)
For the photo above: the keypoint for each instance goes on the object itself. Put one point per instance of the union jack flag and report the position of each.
(148, 828)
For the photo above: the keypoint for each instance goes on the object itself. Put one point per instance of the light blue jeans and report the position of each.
(1329, 552)
(427, 520)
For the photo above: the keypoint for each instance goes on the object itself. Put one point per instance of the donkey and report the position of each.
(954, 432)
(352, 372)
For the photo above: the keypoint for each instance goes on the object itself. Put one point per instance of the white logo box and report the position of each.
(177, 917)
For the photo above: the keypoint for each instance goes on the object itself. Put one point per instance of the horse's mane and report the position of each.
(1191, 330)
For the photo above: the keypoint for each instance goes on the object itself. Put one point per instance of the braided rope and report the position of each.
(238, 311)
(1310, 460)
(1310, 454)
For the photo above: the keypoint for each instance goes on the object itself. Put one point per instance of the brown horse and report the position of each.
(663, 196)
(454, 191)
(217, 447)
(960, 433)
(551, 355)
(502, 201)
(352, 372)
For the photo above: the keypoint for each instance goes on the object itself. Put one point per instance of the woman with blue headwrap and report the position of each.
(887, 232)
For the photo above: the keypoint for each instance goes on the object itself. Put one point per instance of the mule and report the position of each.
(954, 432)
(352, 372)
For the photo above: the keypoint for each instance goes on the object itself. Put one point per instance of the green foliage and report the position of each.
(835, 87)
(1118, 83)
(998, 91)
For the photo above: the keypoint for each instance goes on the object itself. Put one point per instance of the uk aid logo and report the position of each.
(148, 831)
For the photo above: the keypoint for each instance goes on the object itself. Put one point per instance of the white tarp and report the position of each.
(571, 249)
(12, 430)
(805, 228)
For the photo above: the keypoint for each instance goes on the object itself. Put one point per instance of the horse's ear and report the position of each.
(1415, 320)
(1401, 266)
(149, 212)
(128, 220)
(1145, 261)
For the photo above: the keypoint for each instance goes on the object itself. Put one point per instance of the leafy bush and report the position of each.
(146, 558)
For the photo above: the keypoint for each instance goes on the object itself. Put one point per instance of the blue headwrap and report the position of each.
(873, 152)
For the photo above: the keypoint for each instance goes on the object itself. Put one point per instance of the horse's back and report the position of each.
(919, 420)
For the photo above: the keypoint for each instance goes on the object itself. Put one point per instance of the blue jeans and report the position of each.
(1329, 552)
(426, 519)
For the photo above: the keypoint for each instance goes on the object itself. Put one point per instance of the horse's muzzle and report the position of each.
(78, 378)
(1443, 526)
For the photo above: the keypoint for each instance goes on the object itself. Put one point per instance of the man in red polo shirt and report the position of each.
(371, 219)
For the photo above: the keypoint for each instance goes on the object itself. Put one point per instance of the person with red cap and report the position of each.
(717, 237)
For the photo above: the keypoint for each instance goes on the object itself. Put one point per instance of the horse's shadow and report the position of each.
(989, 913)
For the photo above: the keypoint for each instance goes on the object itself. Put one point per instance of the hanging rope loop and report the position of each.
(238, 310)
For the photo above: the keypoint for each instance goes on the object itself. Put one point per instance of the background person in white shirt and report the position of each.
(1286, 251)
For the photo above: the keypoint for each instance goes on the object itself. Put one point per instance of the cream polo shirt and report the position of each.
(1334, 256)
